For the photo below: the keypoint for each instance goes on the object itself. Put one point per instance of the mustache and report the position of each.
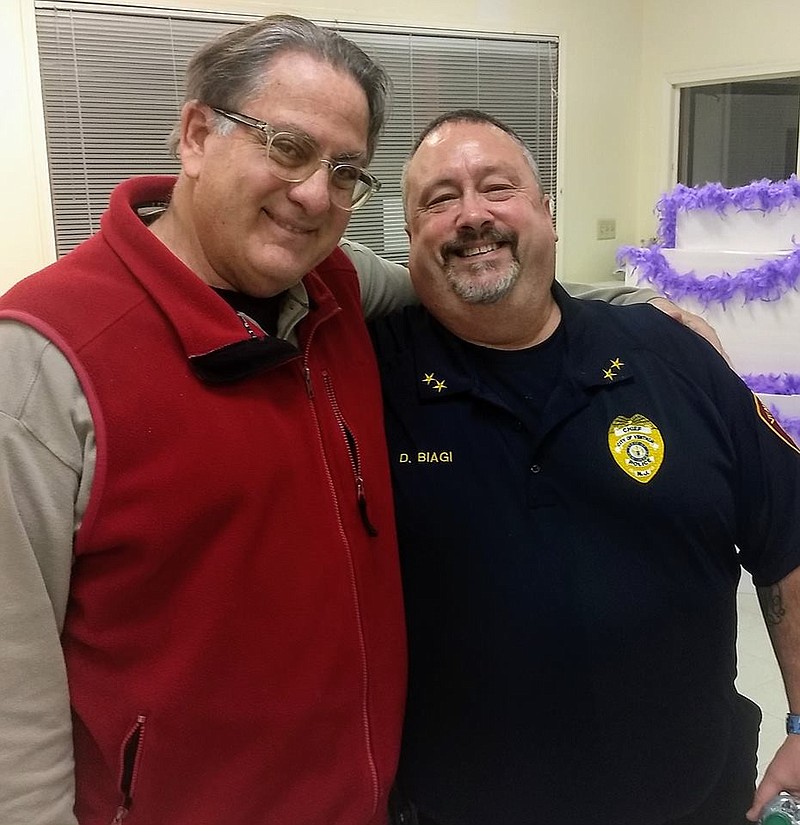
(469, 237)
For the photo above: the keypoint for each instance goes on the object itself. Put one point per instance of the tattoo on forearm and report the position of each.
(771, 602)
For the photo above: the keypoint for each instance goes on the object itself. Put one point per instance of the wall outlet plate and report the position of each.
(606, 229)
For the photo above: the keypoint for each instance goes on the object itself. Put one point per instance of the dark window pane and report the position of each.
(736, 133)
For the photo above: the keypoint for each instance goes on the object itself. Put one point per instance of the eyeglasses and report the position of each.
(294, 158)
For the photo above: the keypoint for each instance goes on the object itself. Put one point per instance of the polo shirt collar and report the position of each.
(599, 356)
(596, 355)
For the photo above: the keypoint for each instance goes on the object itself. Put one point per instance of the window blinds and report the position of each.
(112, 80)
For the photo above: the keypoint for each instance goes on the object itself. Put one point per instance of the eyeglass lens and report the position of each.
(295, 159)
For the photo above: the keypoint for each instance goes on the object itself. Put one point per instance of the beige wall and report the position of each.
(690, 41)
(26, 236)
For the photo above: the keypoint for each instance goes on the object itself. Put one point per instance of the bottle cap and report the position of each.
(776, 818)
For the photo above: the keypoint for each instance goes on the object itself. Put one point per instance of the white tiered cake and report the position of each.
(733, 256)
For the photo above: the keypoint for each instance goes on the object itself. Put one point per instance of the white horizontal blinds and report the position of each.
(530, 103)
(513, 79)
(112, 84)
(380, 223)
(112, 80)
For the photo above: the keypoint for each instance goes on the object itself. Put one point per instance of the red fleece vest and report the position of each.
(234, 639)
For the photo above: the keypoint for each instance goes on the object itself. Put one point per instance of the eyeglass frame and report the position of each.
(372, 183)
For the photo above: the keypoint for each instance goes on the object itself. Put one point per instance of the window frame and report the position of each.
(678, 82)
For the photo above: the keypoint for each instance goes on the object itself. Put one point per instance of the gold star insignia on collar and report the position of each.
(613, 364)
(433, 382)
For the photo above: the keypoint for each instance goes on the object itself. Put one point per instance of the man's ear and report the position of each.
(548, 205)
(195, 127)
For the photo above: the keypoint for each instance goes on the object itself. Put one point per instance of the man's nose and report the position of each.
(313, 194)
(473, 211)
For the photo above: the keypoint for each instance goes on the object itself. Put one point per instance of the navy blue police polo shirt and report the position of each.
(570, 569)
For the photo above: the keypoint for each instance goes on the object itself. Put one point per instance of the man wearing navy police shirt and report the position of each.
(577, 488)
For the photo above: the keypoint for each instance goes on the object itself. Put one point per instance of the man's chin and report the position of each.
(487, 285)
(290, 262)
(272, 274)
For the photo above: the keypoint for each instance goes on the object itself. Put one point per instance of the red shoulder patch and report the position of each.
(769, 419)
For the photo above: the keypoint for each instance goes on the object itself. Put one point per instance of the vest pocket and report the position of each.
(130, 756)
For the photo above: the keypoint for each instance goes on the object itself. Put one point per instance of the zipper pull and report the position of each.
(362, 507)
(307, 378)
(121, 813)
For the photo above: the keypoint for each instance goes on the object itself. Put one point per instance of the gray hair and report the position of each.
(230, 70)
(470, 116)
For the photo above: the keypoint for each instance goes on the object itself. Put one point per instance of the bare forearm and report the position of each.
(780, 606)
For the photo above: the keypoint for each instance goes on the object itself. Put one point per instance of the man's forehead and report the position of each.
(459, 130)
(293, 96)
(479, 145)
(466, 138)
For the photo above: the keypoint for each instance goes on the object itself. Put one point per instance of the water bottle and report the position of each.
(783, 809)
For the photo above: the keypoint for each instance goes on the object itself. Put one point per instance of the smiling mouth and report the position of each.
(470, 244)
(288, 227)
(470, 252)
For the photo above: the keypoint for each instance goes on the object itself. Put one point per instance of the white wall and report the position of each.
(600, 56)
(687, 41)
(26, 235)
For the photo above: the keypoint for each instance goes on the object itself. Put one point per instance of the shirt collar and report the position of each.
(206, 326)
(596, 354)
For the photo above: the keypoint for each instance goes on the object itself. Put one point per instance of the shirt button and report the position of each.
(535, 468)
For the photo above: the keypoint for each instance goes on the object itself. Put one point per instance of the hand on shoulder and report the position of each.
(692, 321)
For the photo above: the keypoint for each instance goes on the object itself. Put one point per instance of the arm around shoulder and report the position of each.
(385, 285)
(619, 294)
(623, 295)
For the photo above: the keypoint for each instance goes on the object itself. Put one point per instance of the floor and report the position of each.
(759, 677)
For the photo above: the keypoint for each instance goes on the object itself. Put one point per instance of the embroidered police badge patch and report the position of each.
(636, 444)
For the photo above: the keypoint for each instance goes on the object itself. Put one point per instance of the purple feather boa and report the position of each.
(790, 424)
(761, 195)
(782, 383)
(767, 282)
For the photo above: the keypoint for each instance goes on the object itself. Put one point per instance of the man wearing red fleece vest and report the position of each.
(199, 397)
(200, 599)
